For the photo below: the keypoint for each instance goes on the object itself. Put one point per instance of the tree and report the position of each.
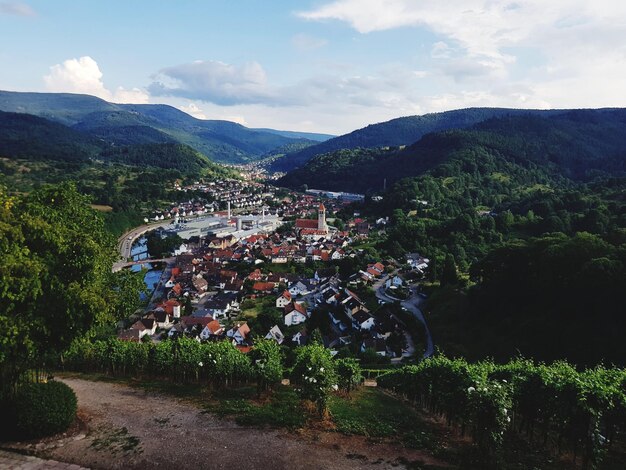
(128, 287)
(267, 364)
(314, 374)
(449, 274)
(55, 281)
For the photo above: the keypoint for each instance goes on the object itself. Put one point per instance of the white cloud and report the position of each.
(83, 75)
(304, 42)
(440, 50)
(213, 81)
(193, 110)
(562, 53)
(17, 9)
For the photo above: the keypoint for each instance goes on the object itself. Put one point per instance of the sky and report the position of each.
(328, 66)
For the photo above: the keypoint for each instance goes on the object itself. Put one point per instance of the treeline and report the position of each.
(554, 406)
(554, 296)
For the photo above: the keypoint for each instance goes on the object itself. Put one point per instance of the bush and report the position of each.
(43, 409)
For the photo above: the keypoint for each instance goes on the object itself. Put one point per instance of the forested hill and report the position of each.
(575, 144)
(169, 156)
(23, 135)
(401, 131)
(126, 124)
(34, 139)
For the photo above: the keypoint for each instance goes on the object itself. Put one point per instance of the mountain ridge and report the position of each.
(220, 140)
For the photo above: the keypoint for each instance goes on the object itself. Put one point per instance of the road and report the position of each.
(125, 242)
(411, 304)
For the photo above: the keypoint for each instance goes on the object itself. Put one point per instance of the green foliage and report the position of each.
(42, 409)
(401, 131)
(121, 125)
(349, 374)
(493, 401)
(314, 374)
(283, 409)
(267, 364)
(166, 155)
(185, 360)
(128, 286)
(559, 283)
(23, 135)
(159, 246)
(55, 275)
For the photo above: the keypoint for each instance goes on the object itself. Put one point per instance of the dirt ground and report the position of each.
(129, 428)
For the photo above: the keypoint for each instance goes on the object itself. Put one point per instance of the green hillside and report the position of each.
(400, 131)
(129, 124)
(577, 144)
(169, 156)
(23, 135)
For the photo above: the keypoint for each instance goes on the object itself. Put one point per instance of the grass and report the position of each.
(372, 413)
(281, 409)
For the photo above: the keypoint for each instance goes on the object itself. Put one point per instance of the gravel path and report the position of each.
(130, 428)
(14, 461)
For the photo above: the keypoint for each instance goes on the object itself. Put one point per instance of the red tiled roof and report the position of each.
(306, 223)
(214, 326)
(263, 286)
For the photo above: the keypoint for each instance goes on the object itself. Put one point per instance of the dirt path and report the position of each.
(129, 428)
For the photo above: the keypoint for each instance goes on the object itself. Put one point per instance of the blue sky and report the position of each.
(324, 65)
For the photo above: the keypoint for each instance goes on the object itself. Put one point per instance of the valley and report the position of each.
(472, 242)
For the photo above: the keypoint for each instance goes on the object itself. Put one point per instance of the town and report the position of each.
(257, 261)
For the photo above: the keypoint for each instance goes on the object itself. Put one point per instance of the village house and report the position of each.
(294, 314)
(283, 300)
(213, 329)
(239, 333)
(275, 334)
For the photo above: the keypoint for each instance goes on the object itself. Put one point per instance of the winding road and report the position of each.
(412, 305)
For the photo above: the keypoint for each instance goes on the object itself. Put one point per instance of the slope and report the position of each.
(400, 131)
(23, 135)
(575, 144)
(125, 124)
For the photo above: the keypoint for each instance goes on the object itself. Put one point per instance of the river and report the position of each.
(153, 275)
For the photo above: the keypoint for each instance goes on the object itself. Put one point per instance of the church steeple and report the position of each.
(321, 218)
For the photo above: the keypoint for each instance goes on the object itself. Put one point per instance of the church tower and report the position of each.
(321, 219)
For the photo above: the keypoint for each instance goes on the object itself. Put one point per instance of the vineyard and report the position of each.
(556, 407)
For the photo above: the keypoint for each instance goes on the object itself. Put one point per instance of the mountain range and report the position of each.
(140, 124)
(576, 144)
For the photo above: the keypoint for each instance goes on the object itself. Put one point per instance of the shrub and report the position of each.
(42, 409)
(349, 374)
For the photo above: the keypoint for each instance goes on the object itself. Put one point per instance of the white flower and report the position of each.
(335, 387)
(321, 369)
(508, 419)
(470, 389)
(200, 364)
(505, 410)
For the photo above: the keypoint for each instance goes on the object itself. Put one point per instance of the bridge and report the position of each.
(119, 265)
